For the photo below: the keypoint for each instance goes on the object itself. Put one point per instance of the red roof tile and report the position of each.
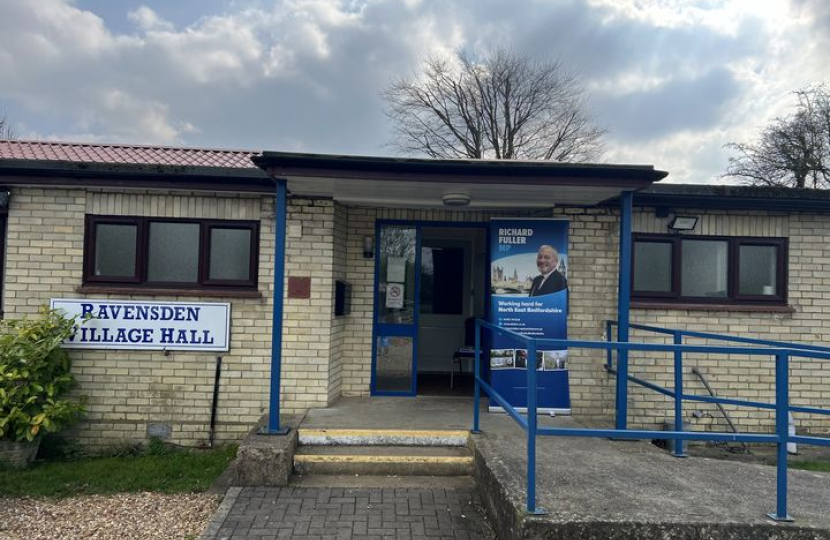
(122, 153)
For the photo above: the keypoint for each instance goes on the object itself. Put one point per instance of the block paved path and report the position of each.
(304, 513)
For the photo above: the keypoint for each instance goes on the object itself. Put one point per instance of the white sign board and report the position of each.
(394, 295)
(158, 326)
(395, 269)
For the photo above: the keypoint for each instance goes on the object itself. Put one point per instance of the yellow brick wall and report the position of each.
(129, 389)
(307, 323)
(326, 356)
(738, 376)
(338, 324)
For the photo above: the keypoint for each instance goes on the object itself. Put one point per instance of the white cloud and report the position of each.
(141, 119)
(675, 79)
(148, 20)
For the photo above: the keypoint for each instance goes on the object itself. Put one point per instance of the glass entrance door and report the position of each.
(396, 312)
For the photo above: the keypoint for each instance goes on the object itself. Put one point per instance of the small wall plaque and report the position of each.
(299, 287)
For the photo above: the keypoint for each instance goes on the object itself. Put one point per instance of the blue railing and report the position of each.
(780, 350)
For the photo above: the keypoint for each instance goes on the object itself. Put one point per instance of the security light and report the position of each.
(683, 223)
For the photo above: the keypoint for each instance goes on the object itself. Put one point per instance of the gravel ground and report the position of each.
(146, 516)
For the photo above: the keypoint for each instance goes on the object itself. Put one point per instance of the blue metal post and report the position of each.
(623, 304)
(280, 211)
(531, 430)
(678, 395)
(782, 407)
(476, 375)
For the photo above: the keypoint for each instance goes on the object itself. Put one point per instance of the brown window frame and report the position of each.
(733, 296)
(140, 280)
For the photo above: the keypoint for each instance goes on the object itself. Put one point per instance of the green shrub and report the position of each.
(34, 375)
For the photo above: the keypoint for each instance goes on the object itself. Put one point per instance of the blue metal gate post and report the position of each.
(782, 408)
(678, 395)
(280, 211)
(531, 429)
(623, 303)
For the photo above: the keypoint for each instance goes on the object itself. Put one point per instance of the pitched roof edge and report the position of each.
(734, 197)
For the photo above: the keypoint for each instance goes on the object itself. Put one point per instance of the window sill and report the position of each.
(750, 308)
(141, 291)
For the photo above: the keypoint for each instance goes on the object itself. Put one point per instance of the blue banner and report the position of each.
(529, 295)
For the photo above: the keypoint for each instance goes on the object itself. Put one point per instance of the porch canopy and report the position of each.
(487, 184)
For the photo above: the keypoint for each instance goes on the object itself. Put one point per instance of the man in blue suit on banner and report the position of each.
(550, 279)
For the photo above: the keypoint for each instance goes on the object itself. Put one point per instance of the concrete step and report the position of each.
(383, 460)
(382, 437)
(381, 481)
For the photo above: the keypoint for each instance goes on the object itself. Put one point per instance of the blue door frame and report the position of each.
(411, 330)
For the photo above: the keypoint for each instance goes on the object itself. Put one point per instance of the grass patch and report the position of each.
(158, 468)
(821, 466)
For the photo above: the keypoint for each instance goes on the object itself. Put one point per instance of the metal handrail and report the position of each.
(724, 337)
(780, 350)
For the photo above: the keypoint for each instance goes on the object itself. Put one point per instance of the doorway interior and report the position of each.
(430, 279)
(452, 290)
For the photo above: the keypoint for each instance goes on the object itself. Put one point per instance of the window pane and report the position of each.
(230, 254)
(396, 281)
(393, 370)
(758, 266)
(652, 266)
(115, 250)
(174, 252)
(704, 271)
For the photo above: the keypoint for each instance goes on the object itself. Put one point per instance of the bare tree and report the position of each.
(504, 106)
(793, 151)
(6, 129)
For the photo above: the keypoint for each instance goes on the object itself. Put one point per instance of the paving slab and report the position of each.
(305, 513)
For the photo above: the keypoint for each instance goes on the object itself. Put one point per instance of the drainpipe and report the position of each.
(623, 304)
(280, 211)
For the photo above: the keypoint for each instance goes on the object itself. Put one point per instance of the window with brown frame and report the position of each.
(171, 253)
(709, 269)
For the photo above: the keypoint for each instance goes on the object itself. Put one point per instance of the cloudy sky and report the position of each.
(671, 80)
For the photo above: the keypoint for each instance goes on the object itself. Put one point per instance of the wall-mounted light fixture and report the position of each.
(368, 246)
(683, 223)
(5, 196)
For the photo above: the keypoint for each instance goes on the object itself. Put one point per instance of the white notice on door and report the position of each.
(394, 295)
(395, 269)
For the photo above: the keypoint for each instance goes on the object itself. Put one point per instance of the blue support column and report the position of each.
(782, 409)
(623, 304)
(280, 212)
